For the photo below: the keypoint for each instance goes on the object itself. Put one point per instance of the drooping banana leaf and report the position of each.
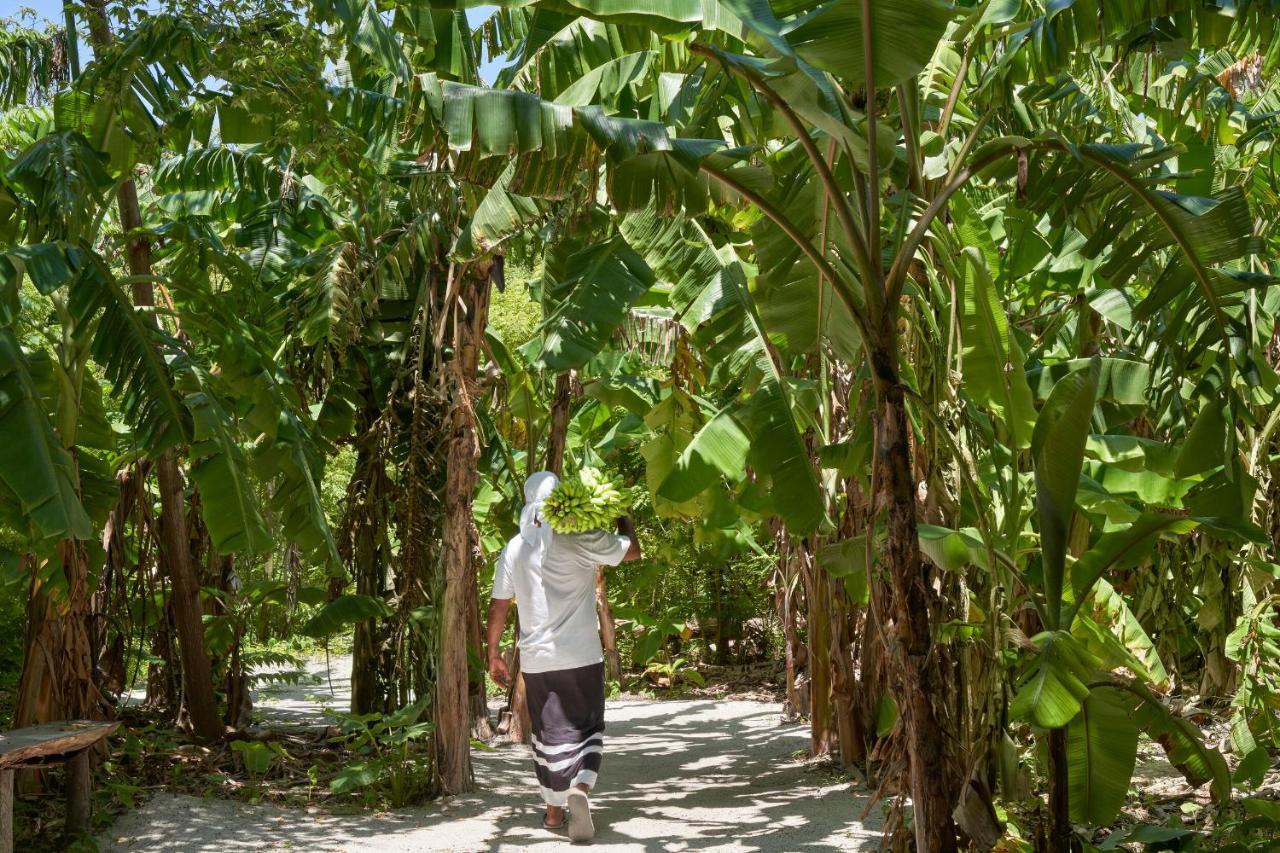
(134, 353)
(343, 612)
(599, 285)
(1102, 746)
(1122, 548)
(718, 450)
(1182, 742)
(220, 469)
(37, 477)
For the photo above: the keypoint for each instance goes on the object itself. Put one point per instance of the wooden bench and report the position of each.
(44, 746)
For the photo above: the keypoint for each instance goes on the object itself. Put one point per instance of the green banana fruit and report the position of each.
(590, 500)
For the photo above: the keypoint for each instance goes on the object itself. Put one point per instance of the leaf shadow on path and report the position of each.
(678, 775)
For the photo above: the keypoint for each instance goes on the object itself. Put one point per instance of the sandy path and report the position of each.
(678, 775)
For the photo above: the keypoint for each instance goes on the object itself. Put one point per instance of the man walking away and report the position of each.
(553, 577)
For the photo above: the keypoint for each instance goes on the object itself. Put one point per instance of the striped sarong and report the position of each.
(566, 708)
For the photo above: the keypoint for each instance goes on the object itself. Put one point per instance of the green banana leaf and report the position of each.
(1057, 450)
(1102, 747)
(37, 475)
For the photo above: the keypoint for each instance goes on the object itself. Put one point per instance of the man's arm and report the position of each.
(498, 608)
(628, 529)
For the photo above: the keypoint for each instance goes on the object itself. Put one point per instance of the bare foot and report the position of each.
(554, 818)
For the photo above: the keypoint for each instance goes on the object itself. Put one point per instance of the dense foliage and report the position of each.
(942, 340)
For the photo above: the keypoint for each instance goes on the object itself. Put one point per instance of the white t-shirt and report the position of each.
(558, 626)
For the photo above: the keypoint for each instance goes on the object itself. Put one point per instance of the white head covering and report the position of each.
(533, 530)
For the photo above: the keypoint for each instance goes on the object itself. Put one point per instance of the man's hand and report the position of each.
(498, 670)
(497, 623)
(628, 529)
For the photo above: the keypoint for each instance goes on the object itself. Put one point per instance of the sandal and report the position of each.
(581, 829)
(552, 826)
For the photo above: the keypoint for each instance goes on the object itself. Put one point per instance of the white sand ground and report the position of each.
(677, 775)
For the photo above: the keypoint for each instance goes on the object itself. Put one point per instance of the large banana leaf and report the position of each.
(674, 422)
(37, 475)
(904, 35)
(49, 265)
(778, 449)
(1116, 636)
(1057, 451)
(219, 468)
(705, 284)
(501, 214)
(289, 455)
(599, 285)
(719, 449)
(1206, 445)
(1194, 242)
(287, 451)
(710, 293)
(605, 83)
(798, 306)
(552, 142)
(332, 301)
(1183, 744)
(1120, 380)
(343, 612)
(1102, 746)
(952, 550)
(30, 61)
(64, 180)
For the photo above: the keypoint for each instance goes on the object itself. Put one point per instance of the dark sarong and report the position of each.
(566, 708)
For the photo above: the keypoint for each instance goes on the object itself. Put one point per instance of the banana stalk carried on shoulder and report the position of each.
(587, 501)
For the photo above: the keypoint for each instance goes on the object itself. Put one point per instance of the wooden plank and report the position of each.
(79, 794)
(51, 740)
(6, 811)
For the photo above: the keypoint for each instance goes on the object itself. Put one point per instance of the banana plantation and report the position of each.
(932, 348)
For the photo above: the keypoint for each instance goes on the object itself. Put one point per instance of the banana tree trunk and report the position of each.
(608, 631)
(481, 725)
(784, 599)
(57, 673)
(850, 736)
(361, 546)
(558, 430)
(818, 619)
(1059, 839)
(452, 740)
(519, 726)
(917, 686)
(196, 673)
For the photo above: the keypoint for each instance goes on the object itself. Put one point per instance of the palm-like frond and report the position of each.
(33, 65)
(135, 353)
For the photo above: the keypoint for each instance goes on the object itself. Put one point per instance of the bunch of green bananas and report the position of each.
(587, 501)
